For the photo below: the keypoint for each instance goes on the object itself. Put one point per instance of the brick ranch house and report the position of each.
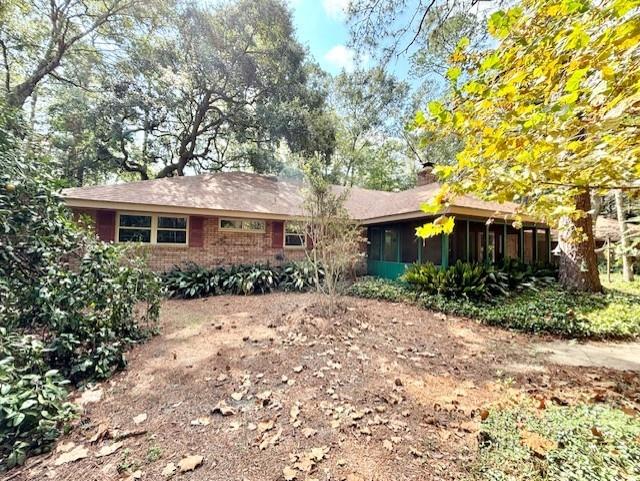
(235, 217)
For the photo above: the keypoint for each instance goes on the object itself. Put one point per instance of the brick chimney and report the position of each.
(426, 175)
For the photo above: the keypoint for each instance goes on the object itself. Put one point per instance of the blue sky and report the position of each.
(321, 26)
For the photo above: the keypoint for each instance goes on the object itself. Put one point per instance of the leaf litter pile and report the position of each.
(265, 388)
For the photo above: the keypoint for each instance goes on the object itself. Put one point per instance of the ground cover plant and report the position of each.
(70, 306)
(192, 281)
(530, 442)
(614, 314)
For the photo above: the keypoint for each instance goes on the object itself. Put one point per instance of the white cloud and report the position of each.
(342, 57)
(336, 9)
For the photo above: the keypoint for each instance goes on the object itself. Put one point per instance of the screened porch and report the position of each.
(393, 246)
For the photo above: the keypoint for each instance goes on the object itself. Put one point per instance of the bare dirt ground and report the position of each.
(263, 388)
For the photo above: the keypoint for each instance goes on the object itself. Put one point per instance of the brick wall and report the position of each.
(220, 248)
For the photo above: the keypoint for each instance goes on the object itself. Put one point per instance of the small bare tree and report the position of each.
(334, 239)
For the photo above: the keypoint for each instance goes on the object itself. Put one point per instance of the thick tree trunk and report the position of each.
(578, 262)
(627, 267)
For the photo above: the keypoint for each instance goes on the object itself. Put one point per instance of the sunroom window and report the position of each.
(134, 228)
(294, 234)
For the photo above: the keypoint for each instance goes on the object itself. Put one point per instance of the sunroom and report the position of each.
(394, 246)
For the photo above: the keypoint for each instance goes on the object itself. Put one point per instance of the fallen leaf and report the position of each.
(169, 469)
(205, 421)
(135, 475)
(318, 454)
(294, 412)
(484, 414)
(264, 395)
(108, 449)
(89, 396)
(388, 445)
(270, 441)
(237, 396)
(190, 463)
(65, 447)
(538, 444)
(289, 473)
(308, 432)
(265, 426)
(101, 433)
(629, 411)
(596, 432)
(223, 409)
(298, 369)
(140, 418)
(305, 464)
(79, 452)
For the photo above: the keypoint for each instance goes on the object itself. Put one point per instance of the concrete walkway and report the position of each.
(621, 356)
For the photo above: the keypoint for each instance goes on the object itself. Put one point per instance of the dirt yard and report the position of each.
(264, 389)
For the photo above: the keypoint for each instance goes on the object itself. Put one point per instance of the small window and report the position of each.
(172, 230)
(134, 228)
(241, 224)
(294, 235)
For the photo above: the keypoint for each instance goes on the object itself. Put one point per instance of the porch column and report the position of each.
(504, 242)
(521, 244)
(547, 232)
(486, 244)
(467, 247)
(444, 251)
(535, 245)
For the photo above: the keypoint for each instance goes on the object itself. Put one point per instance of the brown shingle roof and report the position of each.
(259, 194)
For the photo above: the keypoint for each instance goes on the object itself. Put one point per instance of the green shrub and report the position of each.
(585, 442)
(85, 301)
(195, 281)
(615, 314)
(298, 276)
(33, 405)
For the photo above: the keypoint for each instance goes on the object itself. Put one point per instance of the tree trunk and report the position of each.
(627, 267)
(578, 262)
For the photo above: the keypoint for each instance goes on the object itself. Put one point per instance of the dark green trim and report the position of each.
(485, 254)
(444, 250)
(468, 242)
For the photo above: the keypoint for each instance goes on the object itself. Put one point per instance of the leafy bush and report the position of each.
(195, 281)
(572, 443)
(85, 301)
(33, 404)
(477, 281)
(616, 314)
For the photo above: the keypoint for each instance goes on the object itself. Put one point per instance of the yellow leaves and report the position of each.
(441, 225)
(574, 80)
(454, 73)
(536, 443)
(489, 62)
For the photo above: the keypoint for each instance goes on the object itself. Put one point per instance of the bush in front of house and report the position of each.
(477, 281)
(33, 403)
(193, 281)
(73, 303)
(612, 315)
(588, 441)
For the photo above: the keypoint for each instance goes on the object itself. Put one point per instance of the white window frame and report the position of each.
(303, 235)
(154, 229)
(234, 229)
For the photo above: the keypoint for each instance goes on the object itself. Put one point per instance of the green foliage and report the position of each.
(84, 301)
(613, 315)
(194, 281)
(477, 281)
(33, 404)
(586, 442)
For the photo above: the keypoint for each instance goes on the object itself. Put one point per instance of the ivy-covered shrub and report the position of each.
(194, 281)
(80, 302)
(33, 406)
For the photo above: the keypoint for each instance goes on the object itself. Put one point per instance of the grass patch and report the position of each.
(612, 315)
(584, 442)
